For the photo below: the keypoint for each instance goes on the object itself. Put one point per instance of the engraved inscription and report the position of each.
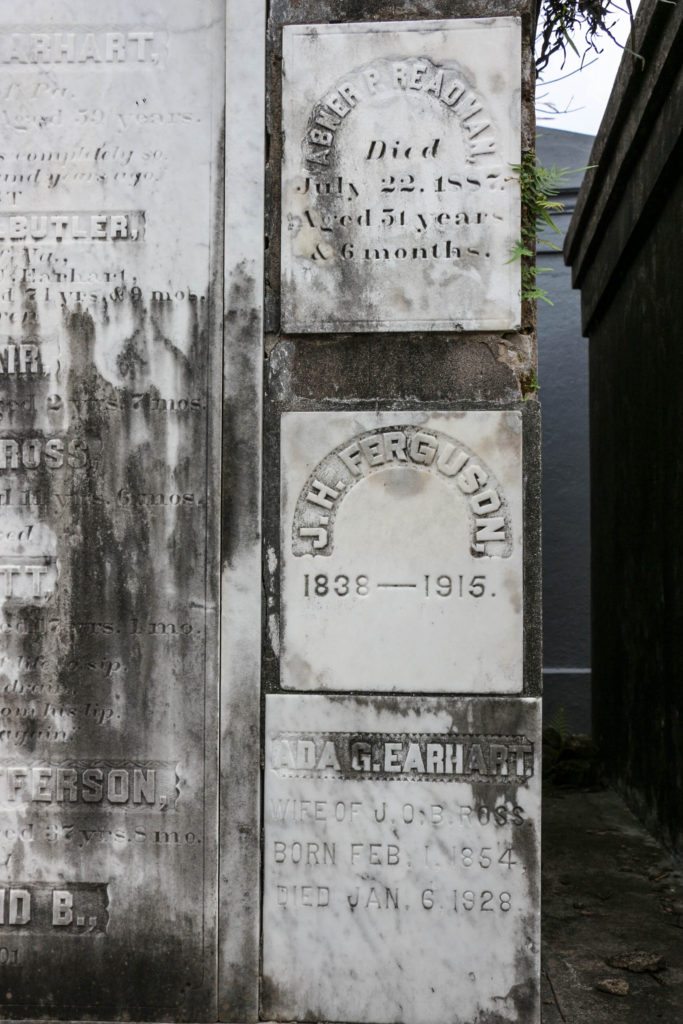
(405, 526)
(71, 227)
(382, 78)
(79, 909)
(335, 755)
(80, 47)
(110, 350)
(398, 187)
(402, 447)
(152, 785)
(382, 834)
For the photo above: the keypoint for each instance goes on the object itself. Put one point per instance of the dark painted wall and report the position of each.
(626, 250)
(636, 367)
(563, 377)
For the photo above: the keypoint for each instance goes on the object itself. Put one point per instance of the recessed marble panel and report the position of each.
(400, 205)
(401, 859)
(110, 354)
(401, 548)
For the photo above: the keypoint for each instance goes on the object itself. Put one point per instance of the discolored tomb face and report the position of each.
(131, 352)
(400, 206)
(401, 852)
(108, 568)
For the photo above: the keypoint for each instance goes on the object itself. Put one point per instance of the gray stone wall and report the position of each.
(326, 390)
(413, 370)
(563, 377)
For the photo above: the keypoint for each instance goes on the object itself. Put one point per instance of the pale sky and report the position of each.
(581, 98)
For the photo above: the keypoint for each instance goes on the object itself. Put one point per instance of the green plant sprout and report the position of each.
(559, 723)
(538, 187)
(530, 385)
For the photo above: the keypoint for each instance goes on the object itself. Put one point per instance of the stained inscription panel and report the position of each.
(402, 855)
(401, 546)
(109, 350)
(400, 205)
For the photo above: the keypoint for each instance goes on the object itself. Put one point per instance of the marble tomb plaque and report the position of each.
(110, 346)
(400, 205)
(401, 547)
(401, 859)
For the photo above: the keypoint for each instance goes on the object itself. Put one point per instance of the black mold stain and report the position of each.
(241, 428)
(108, 575)
(125, 561)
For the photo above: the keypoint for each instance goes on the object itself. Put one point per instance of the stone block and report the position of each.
(400, 208)
(401, 859)
(402, 551)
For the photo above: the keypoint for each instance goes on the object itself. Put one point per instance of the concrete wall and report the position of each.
(563, 377)
(625, 249)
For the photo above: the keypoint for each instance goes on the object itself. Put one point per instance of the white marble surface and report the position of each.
(400, 207)
(239, 918)
(110, 411)
(401, 859)
(401, 548)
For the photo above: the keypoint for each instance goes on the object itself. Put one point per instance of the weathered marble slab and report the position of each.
(400, 207)
(401, 859)
(110, 267)
(240, 780)
(401, 547)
